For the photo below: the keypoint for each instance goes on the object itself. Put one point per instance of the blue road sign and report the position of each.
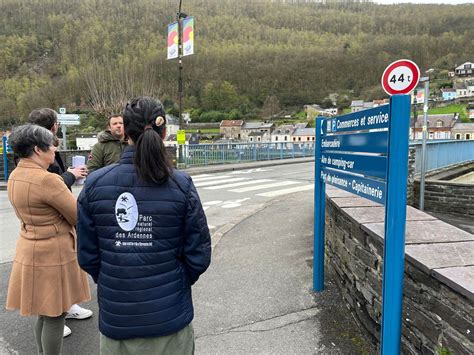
(368, 165)
(382, 130)
(373, 142)
(373, 190)
(374, 118)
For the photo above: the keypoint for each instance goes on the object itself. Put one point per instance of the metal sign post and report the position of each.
(5, 157)
(366, 153)
(67, 120)
(423, 146)
(395, 219)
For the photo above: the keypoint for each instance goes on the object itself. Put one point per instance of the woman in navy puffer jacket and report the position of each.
(143, 237)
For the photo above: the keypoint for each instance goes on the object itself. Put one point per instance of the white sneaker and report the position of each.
(66, 331)
(77, 312)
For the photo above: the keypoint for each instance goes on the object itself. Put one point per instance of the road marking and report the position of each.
(215, 182)
(265, 186)
(234, 203)
(207, 178)
(250, 171)
(210, 203)
(199, 176)
(237, 184)
(286, 191)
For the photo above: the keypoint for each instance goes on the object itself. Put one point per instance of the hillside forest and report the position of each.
(252, 58)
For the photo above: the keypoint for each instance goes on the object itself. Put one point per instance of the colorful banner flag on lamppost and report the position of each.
(173, 40)
(188, 36)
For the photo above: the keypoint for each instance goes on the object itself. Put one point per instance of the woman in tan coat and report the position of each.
(45, 279)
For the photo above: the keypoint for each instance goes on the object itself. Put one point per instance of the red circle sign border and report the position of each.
(398, 63)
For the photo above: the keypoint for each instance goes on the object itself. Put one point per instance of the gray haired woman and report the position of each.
(45, 279)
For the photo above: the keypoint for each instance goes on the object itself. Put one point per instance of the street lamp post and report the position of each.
(426, 81)
(179, 18)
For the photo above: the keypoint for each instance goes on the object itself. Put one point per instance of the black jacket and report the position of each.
(58, 168)
(144, 245)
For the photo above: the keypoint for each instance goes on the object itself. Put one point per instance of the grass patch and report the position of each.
(203, 130)
(454, 108)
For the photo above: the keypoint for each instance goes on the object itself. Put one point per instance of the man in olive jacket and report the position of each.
(110, 145)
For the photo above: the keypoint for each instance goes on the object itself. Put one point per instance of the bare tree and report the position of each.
(271, 107)
(110, 86)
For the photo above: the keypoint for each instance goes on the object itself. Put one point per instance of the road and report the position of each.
(228, 198)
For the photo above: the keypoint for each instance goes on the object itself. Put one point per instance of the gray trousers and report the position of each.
(49, 334)
(179, 343)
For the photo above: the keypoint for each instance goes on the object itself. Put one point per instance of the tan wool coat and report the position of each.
(45, 277)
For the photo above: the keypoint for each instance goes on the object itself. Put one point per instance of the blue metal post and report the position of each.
(5, 158)
(395, 217)
(319, 214)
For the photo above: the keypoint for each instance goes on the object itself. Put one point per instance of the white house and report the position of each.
(282, 133)
(86, 141)
(465, 69)
(470, 87)
(463, 131)
(172, 125)
(250, 127)
(461, 89)
(304, 135)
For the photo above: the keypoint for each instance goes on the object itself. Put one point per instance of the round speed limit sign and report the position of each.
(400, 77)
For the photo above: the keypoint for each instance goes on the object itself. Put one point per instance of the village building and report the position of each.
(359, 105)
(304, 135)
(313, 111)
(448, 94)
(231, 129)
(439, 126)
(461, 89)
(465, 69)
(255, 136)
(85, 141)
(282, 133)
(251, 127)
(172, 125)
(463, 131)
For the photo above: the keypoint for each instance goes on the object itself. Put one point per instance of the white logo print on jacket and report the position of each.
(126, 211)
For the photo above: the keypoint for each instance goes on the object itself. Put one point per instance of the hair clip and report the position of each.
(159, 121)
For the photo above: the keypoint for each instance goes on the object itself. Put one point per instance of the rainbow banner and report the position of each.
(173, 40)
(188, 36)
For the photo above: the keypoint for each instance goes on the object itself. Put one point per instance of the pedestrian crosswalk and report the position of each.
(260, 187)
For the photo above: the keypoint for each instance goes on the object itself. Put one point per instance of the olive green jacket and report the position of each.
(106, 151)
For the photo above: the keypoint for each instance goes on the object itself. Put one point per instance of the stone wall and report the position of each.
(438, 304)
(444, 196)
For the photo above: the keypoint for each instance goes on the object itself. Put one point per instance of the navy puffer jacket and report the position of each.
(144, 245)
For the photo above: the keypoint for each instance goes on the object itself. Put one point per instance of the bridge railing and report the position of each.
(222, 153)
(443, 153)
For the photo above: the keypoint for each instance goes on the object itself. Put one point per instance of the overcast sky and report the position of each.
(450, 2)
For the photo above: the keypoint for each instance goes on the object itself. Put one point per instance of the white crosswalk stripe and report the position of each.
(226, 186)
(264, 186)
(216, 182)
(208, 178)
(286, 191)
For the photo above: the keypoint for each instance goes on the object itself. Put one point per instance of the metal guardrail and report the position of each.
(443, 153)
(227, 153)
